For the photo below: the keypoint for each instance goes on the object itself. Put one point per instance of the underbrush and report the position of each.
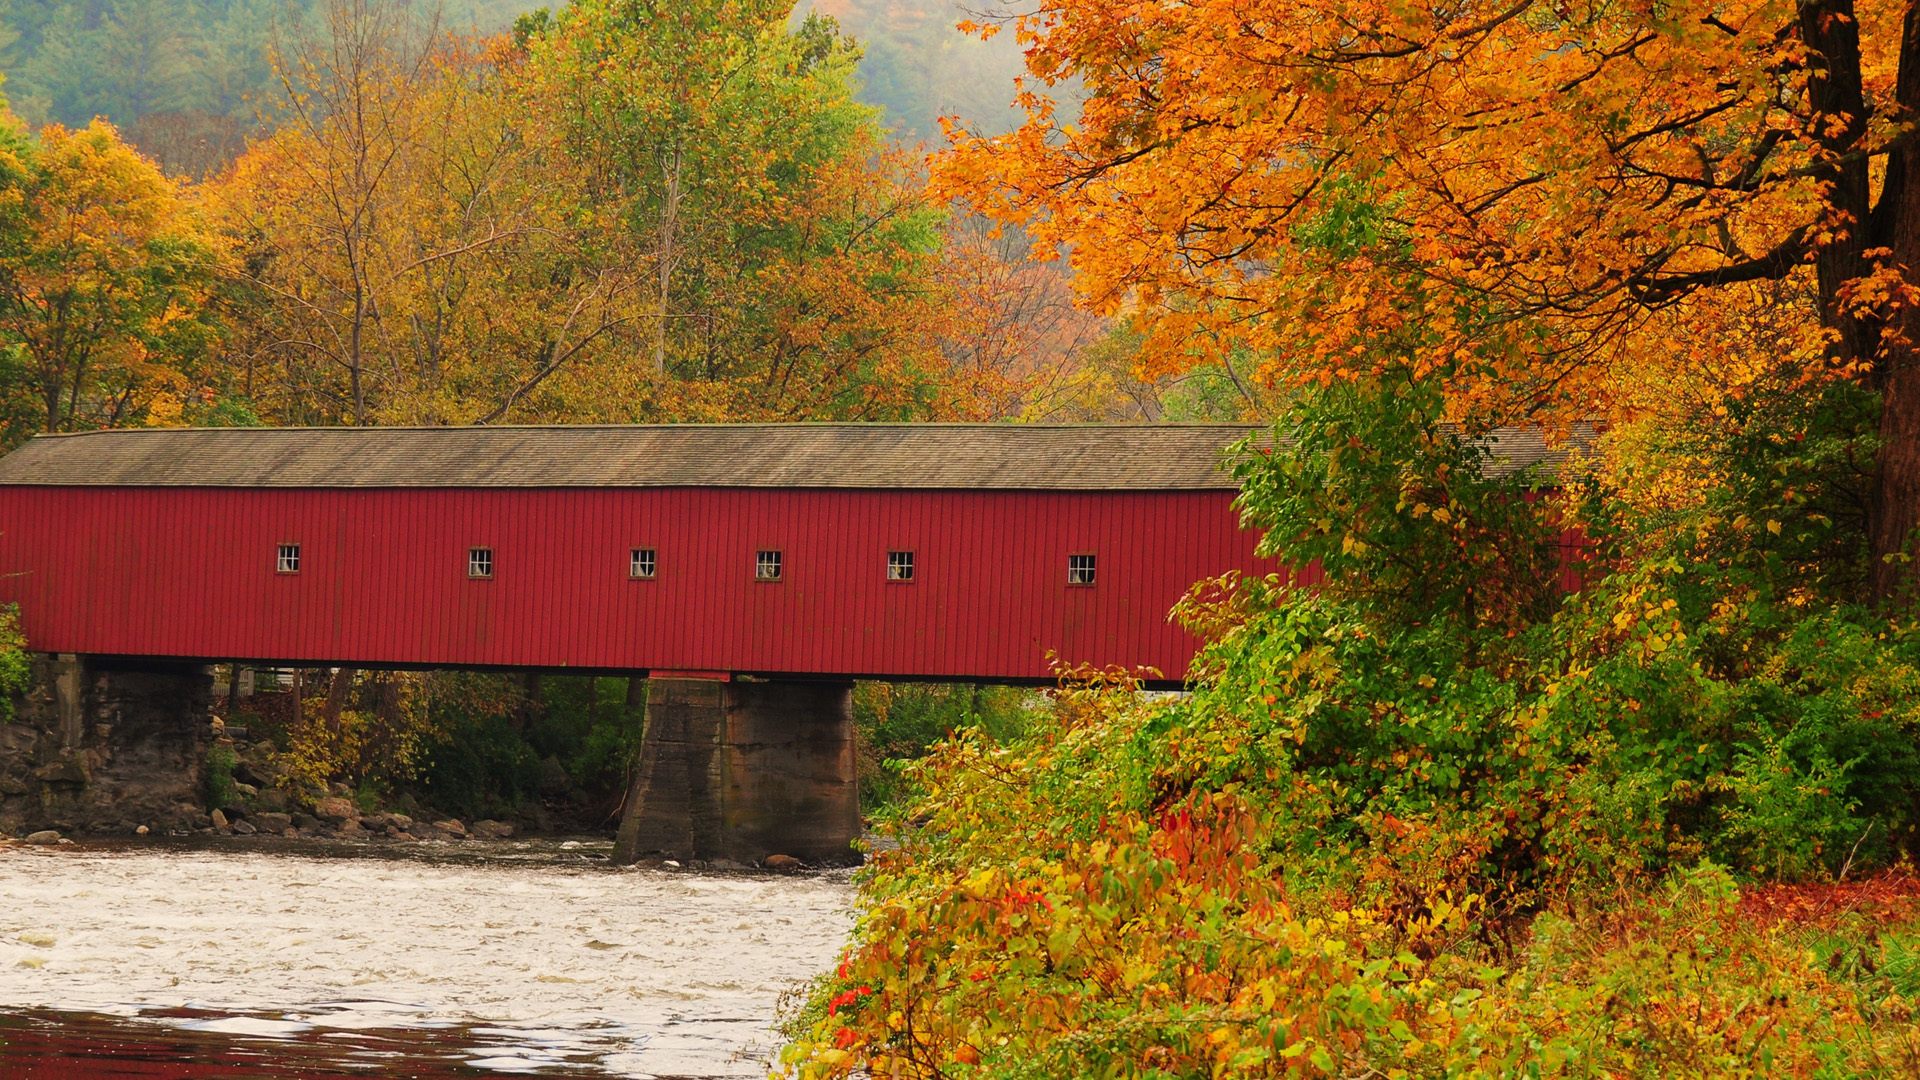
(1437, 818)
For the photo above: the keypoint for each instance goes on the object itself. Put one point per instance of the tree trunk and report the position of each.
(1896, 484)
(337, 690)
(1895, 510)
(669, 223)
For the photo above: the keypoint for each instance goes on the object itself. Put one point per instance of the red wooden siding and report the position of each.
(190, 572)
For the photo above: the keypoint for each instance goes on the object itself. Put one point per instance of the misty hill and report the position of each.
(183, 78)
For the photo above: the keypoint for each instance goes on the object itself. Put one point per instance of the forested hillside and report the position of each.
(189, 80)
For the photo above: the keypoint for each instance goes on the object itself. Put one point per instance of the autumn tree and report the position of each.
(1017, 338)
(790, 250)
(1509, 194)
(105, 278)
(415, 250)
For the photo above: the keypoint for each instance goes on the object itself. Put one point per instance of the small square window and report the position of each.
(1080, 569)
(766, 566)
(289, 560)
(899, 566)
(479, 562)
(642, 563)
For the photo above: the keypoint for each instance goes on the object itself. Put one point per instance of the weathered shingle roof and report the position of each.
(1005, 456)
(1074, 457)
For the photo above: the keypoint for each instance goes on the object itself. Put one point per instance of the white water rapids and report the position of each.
(528, 956)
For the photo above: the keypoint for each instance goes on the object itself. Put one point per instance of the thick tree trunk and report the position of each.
(1835, 90)
(1896, 482)
(1895, 510)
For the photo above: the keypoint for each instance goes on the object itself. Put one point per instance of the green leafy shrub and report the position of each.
(898, 723)
(220, 791)
(16, 663)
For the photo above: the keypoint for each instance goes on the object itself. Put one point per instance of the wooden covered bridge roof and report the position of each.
(1022, 457)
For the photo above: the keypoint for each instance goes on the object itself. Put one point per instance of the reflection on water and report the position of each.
(237, 960)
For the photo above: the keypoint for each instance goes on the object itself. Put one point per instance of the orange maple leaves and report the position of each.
(1498, 193)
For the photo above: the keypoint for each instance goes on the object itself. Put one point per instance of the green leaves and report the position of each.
(1399, 511)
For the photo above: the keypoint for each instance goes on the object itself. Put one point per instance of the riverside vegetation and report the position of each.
(1432, 818)
(424, 753)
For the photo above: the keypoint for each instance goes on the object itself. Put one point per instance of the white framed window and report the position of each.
(899, 566)
(767, 565)
(288, 560)
(479, 562)
(1080, 569)
(642, 563)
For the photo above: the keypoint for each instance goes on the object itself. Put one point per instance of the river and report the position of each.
(283, 959)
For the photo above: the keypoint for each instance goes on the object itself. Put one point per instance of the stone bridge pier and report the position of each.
(742, 771)
(99, 745)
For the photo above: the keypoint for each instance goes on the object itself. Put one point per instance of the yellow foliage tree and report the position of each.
(413, 254)
(106, 273)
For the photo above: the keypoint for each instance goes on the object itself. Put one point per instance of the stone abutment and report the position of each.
(94, 745)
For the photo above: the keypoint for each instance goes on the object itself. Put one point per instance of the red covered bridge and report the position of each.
(750, 570)
(872, 551)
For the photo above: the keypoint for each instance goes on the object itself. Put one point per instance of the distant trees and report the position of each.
(183, 77)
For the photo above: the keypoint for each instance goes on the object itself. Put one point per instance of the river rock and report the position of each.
(142, 831)
(492, 830)
(273, 823)
(44, 836)
(334, 810)
(375, 822)
(219, 819)
(400, 821)
(781, 862)
(244, 827)
(553, 777)
(67, 770)
(451, 826)
(306, 821)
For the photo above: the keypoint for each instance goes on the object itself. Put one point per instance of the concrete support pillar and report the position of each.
(673, 807)
(744, 770)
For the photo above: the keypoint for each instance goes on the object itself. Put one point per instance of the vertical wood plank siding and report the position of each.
(190, 572)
